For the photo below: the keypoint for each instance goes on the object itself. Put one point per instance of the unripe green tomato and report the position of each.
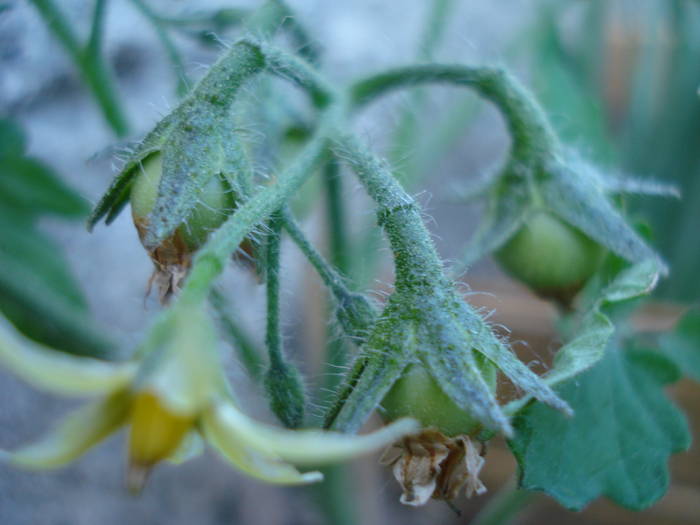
(550, 256)
(208, 214)
(418, 395)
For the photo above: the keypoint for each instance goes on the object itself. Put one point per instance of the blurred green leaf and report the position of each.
(683, 344)
(37, 291)
(617, 444)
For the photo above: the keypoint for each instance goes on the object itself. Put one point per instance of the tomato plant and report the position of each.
(257, 151)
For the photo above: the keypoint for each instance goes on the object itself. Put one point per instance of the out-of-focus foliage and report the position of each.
(37, 291)
(621, 80)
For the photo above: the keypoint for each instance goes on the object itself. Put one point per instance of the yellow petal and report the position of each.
(308, 447)
(75, 435)
(261, 465)
(57, 371)
(155, 432)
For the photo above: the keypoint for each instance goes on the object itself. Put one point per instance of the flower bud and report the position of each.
(172, 257)
(156, 433)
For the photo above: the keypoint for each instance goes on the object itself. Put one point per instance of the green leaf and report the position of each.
(618, 443)
(12, 142)
(29, 187)
(683, 344)
(37, 291)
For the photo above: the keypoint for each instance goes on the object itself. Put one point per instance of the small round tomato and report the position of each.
(211, 210)
(418, 395)
(552, 257)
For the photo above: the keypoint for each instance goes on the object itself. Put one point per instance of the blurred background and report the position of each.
(619, 79)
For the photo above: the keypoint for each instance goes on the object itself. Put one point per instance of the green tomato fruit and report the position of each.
(552, 257)
(214, 204)
(418, 395)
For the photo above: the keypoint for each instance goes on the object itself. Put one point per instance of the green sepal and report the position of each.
(192, 155)
(507, 209)
(575, 197)
(587, 347)
(117, 195)
(285, 389)
(386, 355)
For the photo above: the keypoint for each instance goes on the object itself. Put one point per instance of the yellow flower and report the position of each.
(171, 398)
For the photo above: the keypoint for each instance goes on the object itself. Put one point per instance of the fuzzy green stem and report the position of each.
(213, 256)
(275, 15)
(247, 58)
(354, 312)
(532, 137)
(94, 44)
(87, 59)
(329, 275)
(248, 351)
(273, 337)
(417, 264)
(282, 380)
(338, 236)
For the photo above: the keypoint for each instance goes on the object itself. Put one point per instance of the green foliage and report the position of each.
(619, 441)
(427, 339)
(35, 281)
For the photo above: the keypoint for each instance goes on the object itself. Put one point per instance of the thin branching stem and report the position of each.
(273, 336)
(88, 59)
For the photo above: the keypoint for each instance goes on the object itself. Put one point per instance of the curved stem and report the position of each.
(248, 351)
(417, 263)
(531, 133)
(213, 256)
(87, 59)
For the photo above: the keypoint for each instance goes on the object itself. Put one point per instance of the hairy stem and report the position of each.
(88, 59)
(248, 352)
(273, 337)
(530, 131)
(417, 263)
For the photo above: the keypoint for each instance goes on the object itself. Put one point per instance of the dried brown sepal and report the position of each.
(432, 465)
(172, 260)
